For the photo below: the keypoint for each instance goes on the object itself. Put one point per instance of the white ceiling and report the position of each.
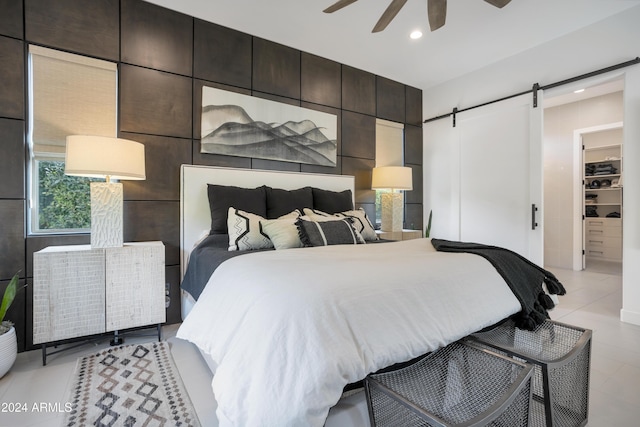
(476, 34)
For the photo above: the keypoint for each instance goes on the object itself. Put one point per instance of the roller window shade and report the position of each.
(389, 143)
(71, 95)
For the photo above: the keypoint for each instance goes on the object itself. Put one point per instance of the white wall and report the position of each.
(560, 172)
(603, 44)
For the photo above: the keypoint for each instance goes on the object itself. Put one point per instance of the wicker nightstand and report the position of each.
(79, 291)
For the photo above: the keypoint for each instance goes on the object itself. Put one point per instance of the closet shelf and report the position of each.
(591, 162)
(613, 175)
(602, 147)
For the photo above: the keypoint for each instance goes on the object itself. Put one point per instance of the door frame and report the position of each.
(579, 236)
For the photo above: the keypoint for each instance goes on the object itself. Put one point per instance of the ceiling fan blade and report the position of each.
(388, 15)
(498, 3)
(437, 11)
(338, 5)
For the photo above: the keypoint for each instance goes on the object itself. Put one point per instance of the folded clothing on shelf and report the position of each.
(600, 169)
(591, 211)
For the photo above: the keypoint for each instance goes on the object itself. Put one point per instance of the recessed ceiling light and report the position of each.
(578, 91)
(416, 34)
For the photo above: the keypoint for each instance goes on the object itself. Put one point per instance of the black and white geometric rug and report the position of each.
(132, 385)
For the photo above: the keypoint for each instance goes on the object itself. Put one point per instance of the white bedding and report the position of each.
(289, 329)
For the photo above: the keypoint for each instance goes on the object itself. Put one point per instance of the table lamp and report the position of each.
(392, 178)
(109, 158)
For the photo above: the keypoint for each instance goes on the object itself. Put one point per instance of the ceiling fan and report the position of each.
(436, 10)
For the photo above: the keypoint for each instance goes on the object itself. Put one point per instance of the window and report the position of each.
(389, 152)
(68, 95)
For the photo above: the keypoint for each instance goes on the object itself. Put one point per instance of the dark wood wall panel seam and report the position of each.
(216, 84)
(300, 78)
(154, 69)
(361, 113)
(152, 134)
(11, 37)
(252, 72)
(296, 101)
(193, 79)
(354, 157)
(87, 55)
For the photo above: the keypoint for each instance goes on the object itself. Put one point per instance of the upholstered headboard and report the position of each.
(195, 216)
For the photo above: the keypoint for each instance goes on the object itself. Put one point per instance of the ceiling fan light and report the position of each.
(415, 34)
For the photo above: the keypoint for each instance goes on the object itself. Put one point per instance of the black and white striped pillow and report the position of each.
(360, 220)
(325, 233)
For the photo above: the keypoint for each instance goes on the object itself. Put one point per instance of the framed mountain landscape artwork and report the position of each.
(240, 125)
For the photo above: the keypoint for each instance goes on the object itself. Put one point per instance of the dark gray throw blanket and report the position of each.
(523, 277)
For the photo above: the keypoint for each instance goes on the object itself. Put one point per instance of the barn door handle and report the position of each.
(534, 209)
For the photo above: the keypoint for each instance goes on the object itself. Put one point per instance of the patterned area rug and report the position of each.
(132, 385)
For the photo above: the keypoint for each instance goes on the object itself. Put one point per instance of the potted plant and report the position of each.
(8, 341)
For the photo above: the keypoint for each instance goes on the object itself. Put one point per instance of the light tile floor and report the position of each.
(593, 301)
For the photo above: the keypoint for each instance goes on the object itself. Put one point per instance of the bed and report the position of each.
(285, 331)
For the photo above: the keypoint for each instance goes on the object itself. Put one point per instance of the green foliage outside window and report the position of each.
(65, 201)
(379, 205)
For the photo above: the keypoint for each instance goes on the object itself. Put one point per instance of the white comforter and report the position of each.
(289, 329)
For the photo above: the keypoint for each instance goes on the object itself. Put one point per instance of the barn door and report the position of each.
(499, 186)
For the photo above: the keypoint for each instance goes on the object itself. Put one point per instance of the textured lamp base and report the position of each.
(106, 214)
(392, 212)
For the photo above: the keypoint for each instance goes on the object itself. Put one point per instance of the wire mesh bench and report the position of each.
(561, 355)
(458, 385)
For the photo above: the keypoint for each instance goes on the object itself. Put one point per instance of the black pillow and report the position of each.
(281, 202)
(332, 201)
(222, 197)
(325, 233)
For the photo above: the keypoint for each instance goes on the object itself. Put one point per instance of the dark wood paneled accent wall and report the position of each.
(164, 59)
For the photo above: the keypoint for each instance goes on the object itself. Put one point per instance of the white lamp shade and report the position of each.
(391, 177)
(99, 157)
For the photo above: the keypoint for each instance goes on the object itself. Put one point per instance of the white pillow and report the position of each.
(359, 216)
(245, 232)
(282, 232)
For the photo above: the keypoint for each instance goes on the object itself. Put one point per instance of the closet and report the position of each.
(603, 193)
